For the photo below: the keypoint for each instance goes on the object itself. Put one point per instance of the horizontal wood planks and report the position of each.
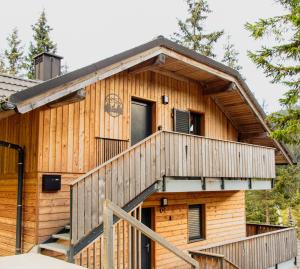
(21, 130)
(225, 220)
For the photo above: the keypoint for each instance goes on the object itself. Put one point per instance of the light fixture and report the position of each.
(163, 202)
(165, 99)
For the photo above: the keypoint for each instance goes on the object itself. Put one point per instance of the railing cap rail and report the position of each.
(241, 239)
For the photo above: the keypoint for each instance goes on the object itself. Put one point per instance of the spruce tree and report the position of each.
(41, 42)
(14, 54)
(281, 63)
(192, 33)
(230, 57)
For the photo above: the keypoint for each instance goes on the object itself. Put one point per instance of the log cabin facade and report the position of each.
(162, 132)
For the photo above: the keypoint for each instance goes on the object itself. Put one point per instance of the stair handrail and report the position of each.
(110, 209)
(114, 158)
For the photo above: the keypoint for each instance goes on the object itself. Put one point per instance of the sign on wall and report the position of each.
(113, 105)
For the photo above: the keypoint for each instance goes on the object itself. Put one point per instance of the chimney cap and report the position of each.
(49, 54)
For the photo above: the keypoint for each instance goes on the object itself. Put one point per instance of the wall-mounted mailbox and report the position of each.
(51, 183)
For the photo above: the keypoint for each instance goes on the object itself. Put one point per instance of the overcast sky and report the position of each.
(90, 30)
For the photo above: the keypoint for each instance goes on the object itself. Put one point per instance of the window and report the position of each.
(196, 123)
(196, 220)
(188, 122)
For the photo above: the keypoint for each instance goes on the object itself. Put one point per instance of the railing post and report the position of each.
(108, 237)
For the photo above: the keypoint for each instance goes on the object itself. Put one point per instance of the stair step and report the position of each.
(60, 248)
(63, 236)
(67, 226)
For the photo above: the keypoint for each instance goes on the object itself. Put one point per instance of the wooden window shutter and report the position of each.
(195, 222)
(181, 121)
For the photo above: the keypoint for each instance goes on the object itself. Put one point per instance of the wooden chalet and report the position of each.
(140, 160)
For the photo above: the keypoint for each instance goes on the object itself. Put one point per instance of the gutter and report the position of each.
(19, 219)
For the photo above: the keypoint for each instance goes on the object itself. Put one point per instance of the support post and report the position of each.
(108, 236)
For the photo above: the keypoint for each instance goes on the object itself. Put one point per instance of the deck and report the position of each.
(264, 247)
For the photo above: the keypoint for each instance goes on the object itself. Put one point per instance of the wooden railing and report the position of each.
(110, 210)
(107, 148)
(254, 228)
(212, 260)
(164, 153)
(256, 252)
(126, 238)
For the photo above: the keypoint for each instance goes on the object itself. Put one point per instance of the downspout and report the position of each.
(19, 194)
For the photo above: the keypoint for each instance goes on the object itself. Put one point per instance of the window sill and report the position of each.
(196, 240)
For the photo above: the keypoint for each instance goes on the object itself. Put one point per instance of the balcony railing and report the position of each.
(258, 251)
(163, 154)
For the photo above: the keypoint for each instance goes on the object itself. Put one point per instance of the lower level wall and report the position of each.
(225, 220)
(8, 209)
(54, 207)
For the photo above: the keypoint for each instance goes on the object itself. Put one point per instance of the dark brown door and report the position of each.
(141, 120)
(145, 241)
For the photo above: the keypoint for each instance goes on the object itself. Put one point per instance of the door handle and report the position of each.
(147, 246)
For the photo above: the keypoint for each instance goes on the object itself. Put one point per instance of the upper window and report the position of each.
(196, 123)
(196, 221)
(188, 122)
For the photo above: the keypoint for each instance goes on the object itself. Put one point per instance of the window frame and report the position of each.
(202, 223)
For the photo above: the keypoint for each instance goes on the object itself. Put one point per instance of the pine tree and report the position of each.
(42, 42)
(14, 54)
(281, 63)
(230, 57)
(191, 31)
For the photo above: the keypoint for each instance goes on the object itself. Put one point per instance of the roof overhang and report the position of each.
(223, 84)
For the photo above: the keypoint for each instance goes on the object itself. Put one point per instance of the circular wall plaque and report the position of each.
(113, 105)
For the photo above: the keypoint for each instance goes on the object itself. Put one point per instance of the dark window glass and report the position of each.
(196, 124)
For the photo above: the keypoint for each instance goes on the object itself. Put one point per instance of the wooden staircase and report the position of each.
(130, 177)
(59, 243)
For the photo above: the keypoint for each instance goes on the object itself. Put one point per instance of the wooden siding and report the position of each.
(67, 139)
(21, 130)
(225, 220)
(67, 143)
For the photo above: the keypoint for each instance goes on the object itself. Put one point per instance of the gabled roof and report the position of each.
(244, 112)
(10, 84)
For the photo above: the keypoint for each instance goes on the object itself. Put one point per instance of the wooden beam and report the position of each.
(172, 75)
(245, 136)
(69, 99)
(148, 65)
(65, 89)
(108, 236)
(149, 233)
(223, 109)
(220, 89)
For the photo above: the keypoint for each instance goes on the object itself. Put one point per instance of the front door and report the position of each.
(145, 241)
(141, 120)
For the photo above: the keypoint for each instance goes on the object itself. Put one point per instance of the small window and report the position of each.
(196, 123)
(196, 220)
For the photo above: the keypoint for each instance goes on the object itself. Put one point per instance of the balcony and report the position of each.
(168, 161)
(264, 247)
